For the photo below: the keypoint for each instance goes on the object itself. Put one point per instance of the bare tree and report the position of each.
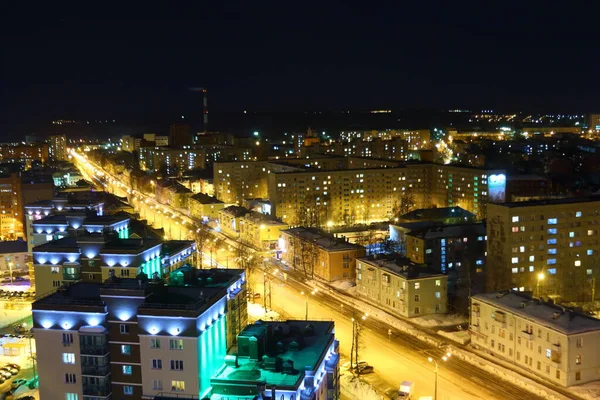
(405, 204)
(202, 236)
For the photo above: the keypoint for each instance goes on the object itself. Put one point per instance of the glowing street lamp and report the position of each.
(445, 357)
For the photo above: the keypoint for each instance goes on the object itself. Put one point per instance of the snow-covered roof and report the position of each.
(549, 315)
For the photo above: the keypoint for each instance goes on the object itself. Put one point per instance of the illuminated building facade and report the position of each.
(550, 248)
(291, 360)
(11, 208)
(138, 338)
(261, 231)
(401, 287)
(58, 147)
(551, 342)
(205, 207)
(24, 153)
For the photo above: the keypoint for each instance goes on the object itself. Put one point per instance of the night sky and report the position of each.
(102, 62)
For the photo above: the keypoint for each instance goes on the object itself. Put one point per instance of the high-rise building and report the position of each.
(58, 147)
(24, 153)
(138, 338)
(180, 135)
(547, 247)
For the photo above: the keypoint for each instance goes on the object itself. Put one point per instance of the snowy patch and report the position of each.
(353, 388)
(256, 312)
(461, 337)
(343, 285)
(586, 391)
(438, 320)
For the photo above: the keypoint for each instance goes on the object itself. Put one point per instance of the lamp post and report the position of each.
(306, 302)
(355, 342)
(540, 278)
(10, 265)
(445, 357)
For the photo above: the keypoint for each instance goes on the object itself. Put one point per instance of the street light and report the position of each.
(445, 357)
(540, 277)
(306, 302)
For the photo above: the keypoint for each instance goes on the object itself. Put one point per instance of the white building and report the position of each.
(555, 343)
(14, 257)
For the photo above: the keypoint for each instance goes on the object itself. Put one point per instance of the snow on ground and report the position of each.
(10, 317)
(589, 390)
(354, 388)
(343, 285)
(438, 320)
(256, 312)
(461, 337)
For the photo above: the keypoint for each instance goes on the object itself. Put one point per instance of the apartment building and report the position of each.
(229, 220)
(454, 250)
(58, 147)
(205, 207)
(549, 248)
(316, 252)
(401, 287)
(14, 257)
(271, 354)
(24, 153)
(94, 257)
(261, 231)
(136, 338)
(554, 343)
(11, 208)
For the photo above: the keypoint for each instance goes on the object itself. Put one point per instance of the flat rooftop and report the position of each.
(424, 214)
(400, 266)
(449, 231)
(549, 315)
(305, 343)
(68, 244)
(206, 199)
(52, 220)
(129, 245)
(106, 219)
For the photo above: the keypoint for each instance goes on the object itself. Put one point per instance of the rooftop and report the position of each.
(303, 343)
(206, 199)
(236, 211)
(400, 266)
(66, 244)
(13, 246)
(445, 231)
(324, 240)
(130, 245)
(52, 220)
(263, 218)
(550, 202)
(106, 219)
(423, 214)
(549, 315)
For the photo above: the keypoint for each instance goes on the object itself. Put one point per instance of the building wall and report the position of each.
(545, 352)
(11, 208)
(560, 241)
(261, 235)
(58, 147)
(406, 297)
(200, 211)
(19, 262)
(336, 265)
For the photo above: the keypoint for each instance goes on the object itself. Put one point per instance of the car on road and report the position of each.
(17, 383)
(364, 369)
(15, 366)
(359, 364)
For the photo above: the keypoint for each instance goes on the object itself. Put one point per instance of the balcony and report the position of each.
(95, 370)
(527, 335)
(96, 390)
(94, 349)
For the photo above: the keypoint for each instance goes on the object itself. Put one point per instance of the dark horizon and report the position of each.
(137, 65)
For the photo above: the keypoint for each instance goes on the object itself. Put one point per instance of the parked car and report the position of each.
(6, 280)
(10, 370)
(15, 366)
(19, 279)
(26, 398)
(359, 364)
(6, 374)
(364, 369)
(17, 383)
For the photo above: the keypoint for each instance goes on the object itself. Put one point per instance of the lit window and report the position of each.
(551, 261)
(571, 234)
(438, 295)
(551, 251)
(522, 249)
(590, 232)
(125, 349)
(72, 396)
(128, 390)
(479, 262)
(552, 231)
(588, 271)
(68, 358)
(551, 241)
(428, 251)
(552, 271)
(155, 343)
(438, 282)
(176, 344)
(552, 221)
(531, 258)
(577, 214)
(515, 260)
(178, 386)
(531, 269)
(515, 229)
(127, 369)
(515, 219)
(578, 263)
(417, 285)
(590, 252)
(515, 270)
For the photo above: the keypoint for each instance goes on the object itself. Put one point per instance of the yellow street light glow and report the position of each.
(430, 359)
(541, 276)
